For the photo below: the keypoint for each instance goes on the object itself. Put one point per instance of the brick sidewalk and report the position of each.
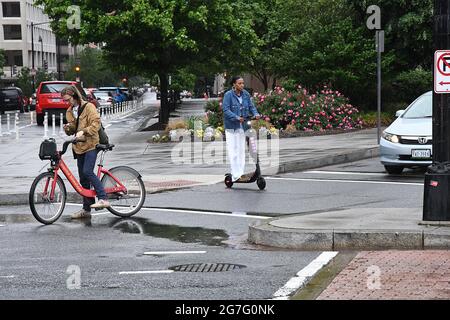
(391, 275)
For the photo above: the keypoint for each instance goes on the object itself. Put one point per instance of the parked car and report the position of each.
(407, 142)
(104, 98)
(12, 98)
(48, 99)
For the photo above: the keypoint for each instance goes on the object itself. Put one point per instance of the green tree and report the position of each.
(25, 81)
(95, 71)
(160, 37)
(325, 47)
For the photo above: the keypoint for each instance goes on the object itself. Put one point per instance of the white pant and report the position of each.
(236, 151)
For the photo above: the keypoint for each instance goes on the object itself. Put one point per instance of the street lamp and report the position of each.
(32, 50)
(42, 51)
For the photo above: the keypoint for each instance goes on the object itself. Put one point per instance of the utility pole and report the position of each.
(436, 204)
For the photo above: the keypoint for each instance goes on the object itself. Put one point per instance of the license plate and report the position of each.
(7, 100)
(56, 100)
(423, 153)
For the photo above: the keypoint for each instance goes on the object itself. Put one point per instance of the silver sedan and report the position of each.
(407, 142)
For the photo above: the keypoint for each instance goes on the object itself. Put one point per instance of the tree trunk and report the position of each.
(164, 111)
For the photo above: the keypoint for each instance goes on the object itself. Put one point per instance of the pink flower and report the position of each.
(273, 110)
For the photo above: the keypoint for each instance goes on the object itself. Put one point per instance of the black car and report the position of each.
(11, 98)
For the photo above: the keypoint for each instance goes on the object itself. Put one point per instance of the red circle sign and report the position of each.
(446, 63)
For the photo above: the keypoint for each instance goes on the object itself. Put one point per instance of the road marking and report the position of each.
(172, 252)
(349, 173)
(304, 275)
(346, 181)
(7, 277)
(146, 272)
(92, 214)
(207, 213)
(2, 225)
(227, 214)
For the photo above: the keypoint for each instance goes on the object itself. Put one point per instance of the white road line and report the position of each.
(188, 211)
(349, 173)
(2, 225)
(171, 252)
(207, 213)
(304, 275)
(146, 272)
(7, 277)
(346, 181)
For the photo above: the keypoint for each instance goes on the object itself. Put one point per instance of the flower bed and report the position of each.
(308, 112)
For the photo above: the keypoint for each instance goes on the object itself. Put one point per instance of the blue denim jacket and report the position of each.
(233, 109)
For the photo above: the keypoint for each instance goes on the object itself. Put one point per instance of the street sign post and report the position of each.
(436, 199)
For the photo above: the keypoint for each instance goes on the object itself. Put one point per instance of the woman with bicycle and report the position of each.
(83, 120)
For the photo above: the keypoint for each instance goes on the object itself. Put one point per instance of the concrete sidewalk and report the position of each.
(155, 160)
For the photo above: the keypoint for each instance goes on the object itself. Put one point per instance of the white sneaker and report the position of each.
(81, 214)
(101, 204)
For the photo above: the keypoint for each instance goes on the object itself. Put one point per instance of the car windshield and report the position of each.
(10, 93)
(101, 94)
(53, 87)
(421, 108)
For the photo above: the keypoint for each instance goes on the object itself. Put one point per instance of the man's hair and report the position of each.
(73, 92)
(235, 78)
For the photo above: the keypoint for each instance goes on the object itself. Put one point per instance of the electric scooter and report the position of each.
(252, 176)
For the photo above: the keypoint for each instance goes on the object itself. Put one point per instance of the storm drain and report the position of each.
(207, 267)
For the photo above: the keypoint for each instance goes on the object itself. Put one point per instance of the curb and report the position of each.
(262, 233)
(328, 160)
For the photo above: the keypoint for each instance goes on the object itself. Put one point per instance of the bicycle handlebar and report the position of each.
(66, 145)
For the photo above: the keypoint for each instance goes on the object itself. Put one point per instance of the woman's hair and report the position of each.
(73, 92)
(235, 78)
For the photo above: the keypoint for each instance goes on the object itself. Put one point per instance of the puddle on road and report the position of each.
(17, 218)
(210, 237)
(136, 225)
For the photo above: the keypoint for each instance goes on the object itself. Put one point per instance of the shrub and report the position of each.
(214, 113)
(320, 111)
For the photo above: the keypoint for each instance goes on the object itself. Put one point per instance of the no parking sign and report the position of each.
(442, 71)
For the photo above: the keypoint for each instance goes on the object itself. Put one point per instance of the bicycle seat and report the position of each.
(104, 147)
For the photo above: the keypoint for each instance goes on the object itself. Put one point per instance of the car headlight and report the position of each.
(390, 137)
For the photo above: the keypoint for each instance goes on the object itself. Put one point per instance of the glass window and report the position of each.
(421, 108)
(14, 57)
(11, 9)
(12, 32)
(53, 87)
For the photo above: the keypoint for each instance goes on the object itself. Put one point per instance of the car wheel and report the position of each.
(394, 169)
(40, 119)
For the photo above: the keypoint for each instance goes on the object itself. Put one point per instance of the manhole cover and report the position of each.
(207, 267)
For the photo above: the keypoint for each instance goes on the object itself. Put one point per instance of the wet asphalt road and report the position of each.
(40, 262)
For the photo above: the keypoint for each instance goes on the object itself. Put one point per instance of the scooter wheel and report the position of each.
(228, 181)
(261, 182)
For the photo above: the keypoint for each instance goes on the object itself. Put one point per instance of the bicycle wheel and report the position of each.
(125, 204)
(44, 209)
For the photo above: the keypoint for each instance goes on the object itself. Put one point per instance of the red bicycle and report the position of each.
(48, 195)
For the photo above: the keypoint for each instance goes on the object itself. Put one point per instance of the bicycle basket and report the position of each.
(47, 150)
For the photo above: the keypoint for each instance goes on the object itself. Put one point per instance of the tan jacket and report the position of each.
(89, 123)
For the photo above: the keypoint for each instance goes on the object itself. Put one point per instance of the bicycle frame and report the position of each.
(61, 165)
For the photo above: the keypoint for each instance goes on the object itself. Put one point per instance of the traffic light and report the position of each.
(45, 65)
(77, 69)
(14, 69)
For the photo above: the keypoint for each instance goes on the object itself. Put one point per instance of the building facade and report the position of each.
(16, 40)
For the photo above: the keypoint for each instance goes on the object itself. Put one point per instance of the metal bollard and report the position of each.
(1, 133)
(16, 125)
(8, 126)
(53, 125)
(46, 126)
(31, 117)
(61, 123)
